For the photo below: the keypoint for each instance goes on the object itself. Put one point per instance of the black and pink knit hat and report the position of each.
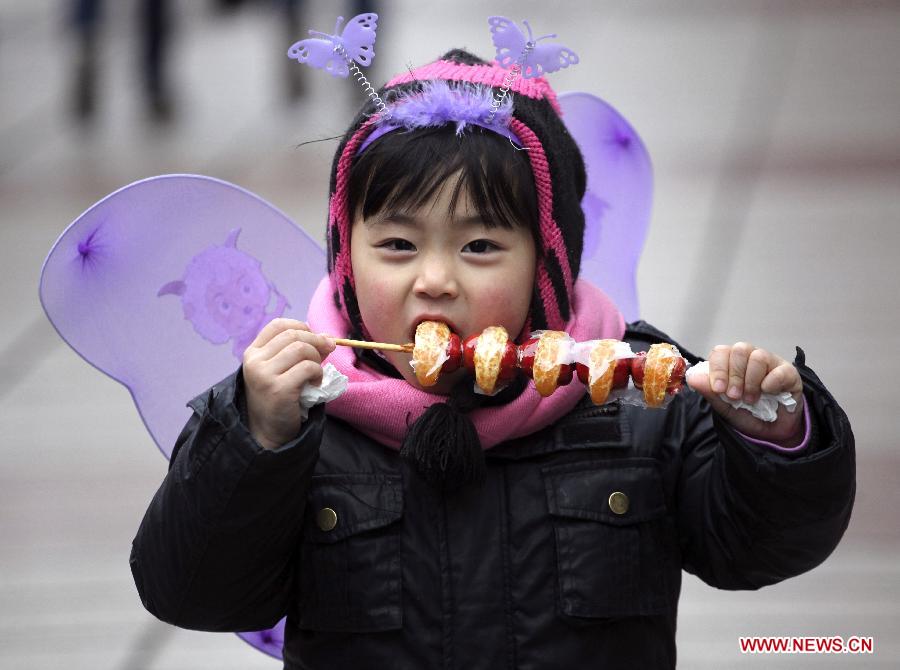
(556, 164)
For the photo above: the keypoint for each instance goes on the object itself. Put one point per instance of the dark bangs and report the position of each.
(403, 170)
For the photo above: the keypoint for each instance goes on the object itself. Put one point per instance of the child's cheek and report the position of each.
(504, 305)
(376, 305)
(492, 297)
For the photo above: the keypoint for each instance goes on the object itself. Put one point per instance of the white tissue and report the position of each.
(333, 384)
(766, 408)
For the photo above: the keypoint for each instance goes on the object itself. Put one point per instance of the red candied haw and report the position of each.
(527, 351)
(583, 372)
(637, 369)
(620, 374)
(454, 354)
(509, 362)
(469, 352)
(677, 376)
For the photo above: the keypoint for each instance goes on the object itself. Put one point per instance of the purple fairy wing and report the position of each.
(547, 57)
(269, 641)
(162, 284)
(508, 40)
(359, 38)
(618, 200)
(319, 53)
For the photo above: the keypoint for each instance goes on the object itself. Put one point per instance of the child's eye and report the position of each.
(398, 245)
(480, 246)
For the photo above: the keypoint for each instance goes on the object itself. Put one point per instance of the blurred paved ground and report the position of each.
(775, 132)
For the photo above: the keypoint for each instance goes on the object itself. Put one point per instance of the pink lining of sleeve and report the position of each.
(786, 450)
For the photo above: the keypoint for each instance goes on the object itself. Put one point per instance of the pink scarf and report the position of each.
(364, 406)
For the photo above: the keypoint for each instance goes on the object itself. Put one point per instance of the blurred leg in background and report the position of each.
(85, 21)
(154, 27)
(294, 77)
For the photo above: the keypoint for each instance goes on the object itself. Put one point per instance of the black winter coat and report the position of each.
(534, 569)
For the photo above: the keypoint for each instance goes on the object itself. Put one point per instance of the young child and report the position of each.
(547, 532)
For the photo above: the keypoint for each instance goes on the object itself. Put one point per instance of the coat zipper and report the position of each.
(609, 409)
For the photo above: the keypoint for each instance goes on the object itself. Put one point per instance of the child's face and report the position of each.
(423, 264)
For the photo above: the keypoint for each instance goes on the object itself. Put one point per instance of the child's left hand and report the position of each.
(742, 371)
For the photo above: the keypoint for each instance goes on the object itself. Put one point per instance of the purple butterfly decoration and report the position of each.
(333, 53)
(512, 46)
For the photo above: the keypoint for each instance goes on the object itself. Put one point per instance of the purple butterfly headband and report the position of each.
(338, 54)
(437, 104)
(523, 56)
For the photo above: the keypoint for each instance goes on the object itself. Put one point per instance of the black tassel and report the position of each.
(444, 448)
(443, 444)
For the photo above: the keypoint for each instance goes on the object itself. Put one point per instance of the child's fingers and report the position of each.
(285, 338)
(281, 341)
(783, 377)
(718, 368)
(751, 372)
(303, 372)
(268, 350)
(291, 354)
(758, 366)
(737, 369)
(702, 385)
(273, 328)
(742, 371)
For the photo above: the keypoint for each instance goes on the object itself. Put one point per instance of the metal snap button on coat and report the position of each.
(326, 519)
(618, 502)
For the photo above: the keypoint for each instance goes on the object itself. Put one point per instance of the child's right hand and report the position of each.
(283, 358)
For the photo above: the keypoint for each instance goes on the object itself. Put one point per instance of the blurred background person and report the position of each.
(154, 31)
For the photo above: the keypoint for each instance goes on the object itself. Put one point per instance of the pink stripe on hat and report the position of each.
(338, 214)
(551, 235)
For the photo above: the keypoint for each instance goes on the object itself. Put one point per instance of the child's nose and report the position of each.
(436, 279)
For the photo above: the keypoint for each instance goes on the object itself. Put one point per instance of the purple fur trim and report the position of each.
(439, 104)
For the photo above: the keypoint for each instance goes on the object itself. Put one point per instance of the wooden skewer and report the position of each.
(383, 346)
